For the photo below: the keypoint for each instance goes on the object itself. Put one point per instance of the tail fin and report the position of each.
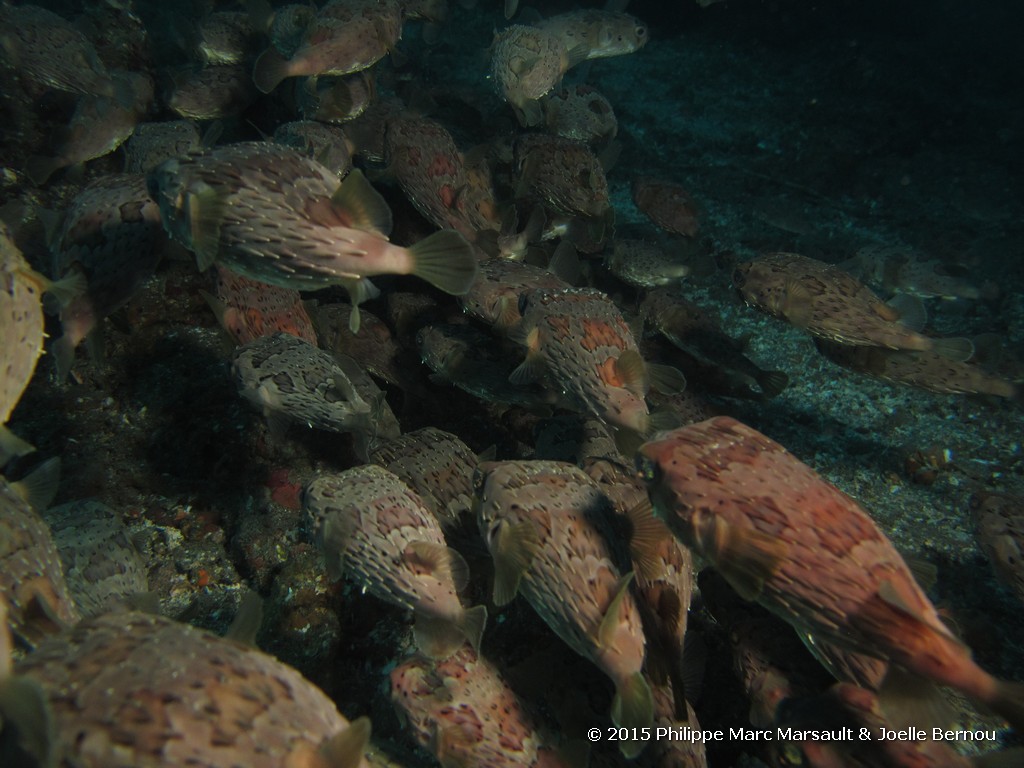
(472, 625)
(445, 260)
(633, 707)
(772, 383)
(271, 68)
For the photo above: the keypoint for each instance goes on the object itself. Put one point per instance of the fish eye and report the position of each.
(647, 469)
(641, 31)
(524, 302)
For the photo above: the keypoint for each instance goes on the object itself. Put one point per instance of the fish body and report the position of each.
(547, 526)
(99, 125)
(918, 368)
(598, 32)
(579, 345)
(152, 143)
(580, 113)
(674, 753)
(370, 524)
(563, 174)
(288, 26)
(526, 64)
(327, 144)
(270, 213)
(112, 236)
(437, 465)
(786, 538)
(823, 300)
(210, 92)
(494, 295)
(48, 51)
(423, 157)
(345, 36)
(32, 578)
(467, 358)
(285, 376)
(384, 425)
(695, 331)
(645, 265)
(193, 698)
(335, 100)
(102, 567)
(668, 205)
(249, 310)
(21, 334)
(903, 270)
(999, 531)
(463, 711)
(225, 37)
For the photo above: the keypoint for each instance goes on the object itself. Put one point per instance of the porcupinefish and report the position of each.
(999, 531)
(369, 523)
(546, 525)
(526, 64)
(667, 204)
(783, 536)
(270, 213)
(600, 33)
(250, 309)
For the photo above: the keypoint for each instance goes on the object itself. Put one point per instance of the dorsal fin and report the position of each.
(362, 206)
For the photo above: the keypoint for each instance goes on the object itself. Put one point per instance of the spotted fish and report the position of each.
(547, 526)
(270, 213)
(784, 537)
(526, 64)
(369, 523)
(999, 530)
(828, 303)
(194, 698)
(599, 33)
(249, 310)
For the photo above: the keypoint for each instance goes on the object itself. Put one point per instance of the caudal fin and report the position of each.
(445, 260)
(270, 69)
(633, 707)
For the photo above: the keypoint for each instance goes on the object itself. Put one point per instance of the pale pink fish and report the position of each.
(526, 64)
(194, 699)
(785, 537)
(270, 213)
(369, 523)
(345, 36)
(463, 711)
(548, 528)
(494, 295)
(999, 530)
(599, 33)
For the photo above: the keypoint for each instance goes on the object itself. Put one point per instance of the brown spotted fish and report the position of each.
(645, 265)
(327, 144)
(599, 33)
(210, 92)
(345, 36)
(32, 579)
(113, 238)
(290, 379)
(288, 27)
(48, 51)
(579, 346)
(270, 213)
(153, 143)
(719, 359)
(904, 270)
(21, 335)
(370, 524)
(547, 526)
(526, 64)
(783, 536)
(99, 125)
(463, 711)
(437, 465)
(335, 99)
(580, 113)
(466, 357)
(225, 37)
(565, 176)
(143, 690)
(494, 295)
(422, 156)
(999, 531)
(103, 569)
(667, 204)
(826, 302)
(917, 368)
(249, 310)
